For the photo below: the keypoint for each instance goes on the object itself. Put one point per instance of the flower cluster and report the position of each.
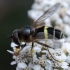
(41, 57)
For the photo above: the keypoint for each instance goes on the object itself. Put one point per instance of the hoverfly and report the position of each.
(37, 30)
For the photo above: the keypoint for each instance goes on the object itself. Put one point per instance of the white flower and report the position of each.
(25, 49)
(37, 49)
(66, 19)
(10, 51)
(58, 22)
(37, 67)
(62, 40)
(22, 65)
(14, 57)
(44, 56)
(67, 39)
(47, 22)
(37, 6)
(30, 65)
(17, 68)
(35, 59)
(22, 43)
(68, 12)
(56, 17)
(13, 45)
(13, 62)
(66, 47)
(66, 30)
(59, 55)
(68, 59)
(48, 65)
(65, 4)
(64, 65)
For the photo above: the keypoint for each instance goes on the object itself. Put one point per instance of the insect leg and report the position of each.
(43, 44)
(32, 44)
(32, 51)
(32, 48)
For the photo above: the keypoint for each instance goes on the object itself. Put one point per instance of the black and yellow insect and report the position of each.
(37, 30)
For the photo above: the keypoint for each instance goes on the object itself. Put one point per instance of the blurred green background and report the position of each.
(13, 15)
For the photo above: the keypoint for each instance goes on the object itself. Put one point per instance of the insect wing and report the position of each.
(46, 15)
(40, 35)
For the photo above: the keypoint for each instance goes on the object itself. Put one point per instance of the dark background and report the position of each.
(13, 15)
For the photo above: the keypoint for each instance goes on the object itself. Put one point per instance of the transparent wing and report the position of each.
(40, 35)
(46, 15)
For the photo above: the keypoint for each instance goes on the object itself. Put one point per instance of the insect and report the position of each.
(37, 30)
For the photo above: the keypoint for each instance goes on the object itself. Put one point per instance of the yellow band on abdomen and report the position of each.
(45, 32)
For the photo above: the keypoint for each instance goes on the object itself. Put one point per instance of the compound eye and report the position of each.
(15, 36)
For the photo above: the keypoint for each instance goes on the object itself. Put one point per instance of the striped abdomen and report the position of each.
(48, 32)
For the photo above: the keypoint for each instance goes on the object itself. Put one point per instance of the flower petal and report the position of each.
(22, 65)
(13, 62)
